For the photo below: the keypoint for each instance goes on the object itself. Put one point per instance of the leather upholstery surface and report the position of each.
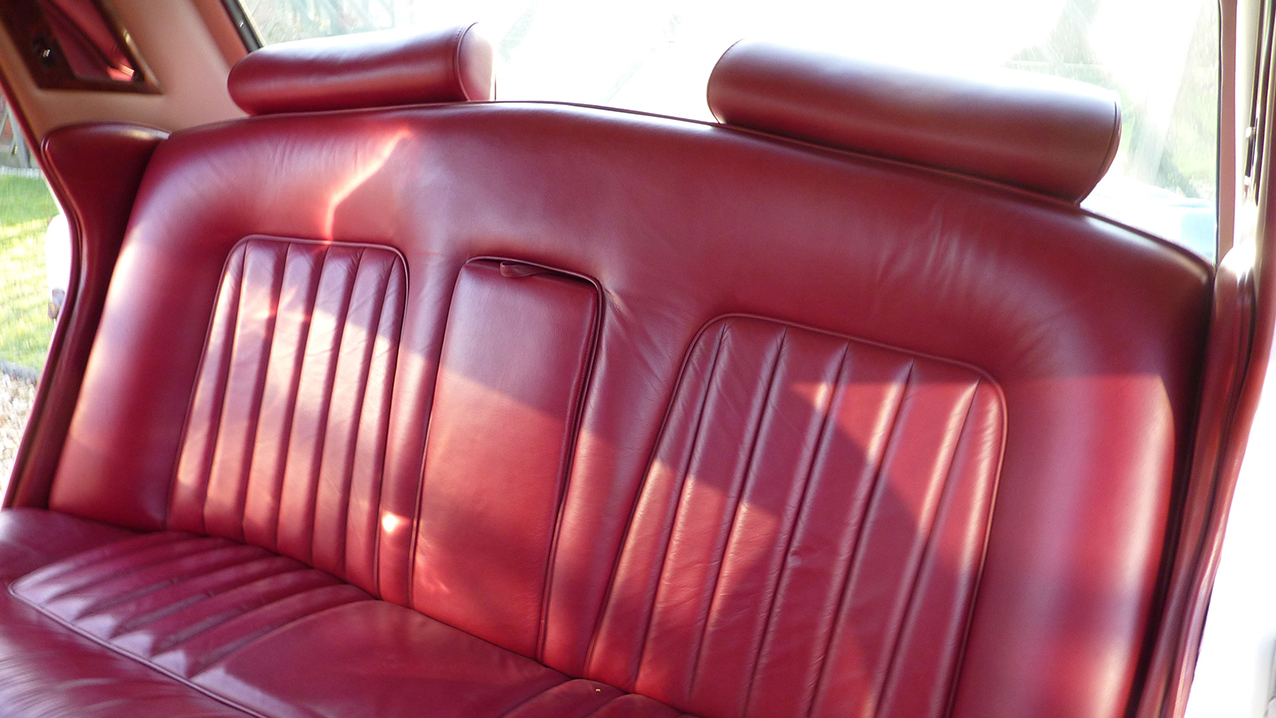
(620, 413)
(810, 534)
(379, 69)
(178, 601)
(1091, 334)
(421, 666)
(269, 634)
(95, 171)
(1042, 133)
(287, 425)
(502, 430)
(46, 670)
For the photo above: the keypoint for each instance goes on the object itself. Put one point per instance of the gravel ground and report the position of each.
(16, 396)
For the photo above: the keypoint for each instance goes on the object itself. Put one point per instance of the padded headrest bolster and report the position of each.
(1045, 134)
(375, 69)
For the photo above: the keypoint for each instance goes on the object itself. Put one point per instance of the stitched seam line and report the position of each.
(856, 553)
(230, 561)
(147, 619)
(651, 460)
(330, 379)
(259, 392)
(298, 368)
(885, 681)
(581, 389)
(135, 569)
(682, 481)
(212, 622)
(826, 425)
(392, 367)
(534, 696)
(121, 652)
(211, 657)
(365, 372)
(171, 492)
(219, 401)
(735, 510)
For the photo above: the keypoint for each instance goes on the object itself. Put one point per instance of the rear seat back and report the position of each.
(728, 420)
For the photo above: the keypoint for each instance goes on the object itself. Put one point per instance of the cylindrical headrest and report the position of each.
(1045, 134)
(375, 69)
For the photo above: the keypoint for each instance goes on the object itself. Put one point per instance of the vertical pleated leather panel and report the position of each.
(285, 439)
(810, 532)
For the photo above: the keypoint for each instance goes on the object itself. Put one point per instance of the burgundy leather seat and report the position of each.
(401, 405)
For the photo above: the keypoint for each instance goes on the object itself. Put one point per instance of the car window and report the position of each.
(35, 261)
(1159, 56)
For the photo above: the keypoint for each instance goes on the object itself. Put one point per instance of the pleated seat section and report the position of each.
(285, 439)
(810, 532)
(181, 602)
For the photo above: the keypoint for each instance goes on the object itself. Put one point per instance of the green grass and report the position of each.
(25, 328)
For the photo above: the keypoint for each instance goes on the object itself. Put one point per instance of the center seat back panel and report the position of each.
(745, 425)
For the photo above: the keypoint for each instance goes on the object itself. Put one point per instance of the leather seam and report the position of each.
(682, 372)
(99, 607)
(456, 61)
(1105, 162)
(710, 85)
(137, 659)
(220, 392)
(884, 683)
(856, 339)
(410, 592)
(735, 510)
(259, 393)
(365, 374)
(226, 650)
(392, 374)
(668, 531)
(571, 442)
(534, 696)
(148, 618)
(330, 381)
(825, 424)
(604, 609)
(213, 622)
(989, 515)
(133, 570)
(294, 386)
(856, 553)
(231, 346)
(41, 575)
(609, 701)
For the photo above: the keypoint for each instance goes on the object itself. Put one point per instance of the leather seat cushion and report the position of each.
(47, 670)
(209, 618)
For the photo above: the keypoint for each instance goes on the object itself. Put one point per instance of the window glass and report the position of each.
(1159, 56)
(35, 258)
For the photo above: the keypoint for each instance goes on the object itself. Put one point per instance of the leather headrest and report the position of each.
(375, 69)
(1045, 134)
